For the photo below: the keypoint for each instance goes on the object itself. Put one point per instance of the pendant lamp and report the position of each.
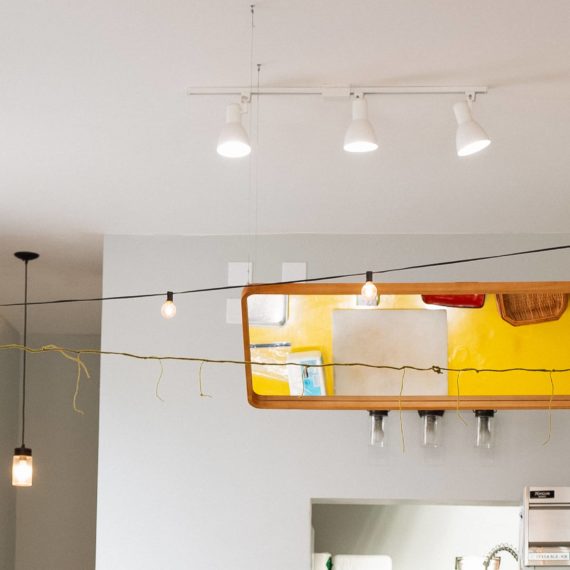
(22, 466)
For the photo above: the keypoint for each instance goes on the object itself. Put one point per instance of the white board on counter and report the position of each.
(360, 562)
(393, 337)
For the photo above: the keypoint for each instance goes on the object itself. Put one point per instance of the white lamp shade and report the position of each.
(470, 137)
(233, 141)
(360, 136)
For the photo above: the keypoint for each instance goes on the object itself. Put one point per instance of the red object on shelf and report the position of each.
(459, 301)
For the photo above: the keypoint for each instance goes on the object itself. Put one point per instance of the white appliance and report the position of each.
(545, 528)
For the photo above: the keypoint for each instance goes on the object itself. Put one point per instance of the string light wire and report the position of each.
(402, 436)
(458, 412)
(80, 352)
(76, 355)
(308, 280)
(549, 433)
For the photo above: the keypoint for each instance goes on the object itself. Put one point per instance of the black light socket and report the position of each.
(423, 413)
(484, 413)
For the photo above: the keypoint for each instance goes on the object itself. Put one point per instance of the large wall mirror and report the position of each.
(464, 345)
(406, 536)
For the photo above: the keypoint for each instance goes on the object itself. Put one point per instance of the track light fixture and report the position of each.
(470, 137)
(168, 309)
(233, 141)
(22, 463)
(360, 136)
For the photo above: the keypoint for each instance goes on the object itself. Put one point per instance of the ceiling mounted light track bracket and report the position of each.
(471, 96)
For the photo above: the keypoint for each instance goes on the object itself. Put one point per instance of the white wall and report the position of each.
(56, 516)
(430, 536)
(213, 483)
(9, 398)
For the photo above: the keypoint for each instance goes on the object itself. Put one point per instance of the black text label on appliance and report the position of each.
(542, 494)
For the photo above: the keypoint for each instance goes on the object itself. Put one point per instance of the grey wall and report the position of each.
(56, 516)
(214, 483)
(430, 536)
(9, 398)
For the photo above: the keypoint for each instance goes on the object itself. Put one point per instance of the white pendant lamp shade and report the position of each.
(470, 138)
(233, 141)
(360, 135)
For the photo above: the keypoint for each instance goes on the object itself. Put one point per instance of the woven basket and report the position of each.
(531, 308)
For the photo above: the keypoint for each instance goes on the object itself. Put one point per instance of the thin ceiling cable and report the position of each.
(256, 178)
(256, 170)
(308, 280)
(251, 45)
(252, 158)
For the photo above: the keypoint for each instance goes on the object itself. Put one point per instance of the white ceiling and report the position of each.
(98, 135)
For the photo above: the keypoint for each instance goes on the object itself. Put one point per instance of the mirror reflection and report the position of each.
(448, 331)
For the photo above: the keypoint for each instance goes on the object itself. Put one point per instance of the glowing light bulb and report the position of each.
(22, 467)
(369, 291)
(168, 309)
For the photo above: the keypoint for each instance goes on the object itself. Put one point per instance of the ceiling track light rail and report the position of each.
(470, 91)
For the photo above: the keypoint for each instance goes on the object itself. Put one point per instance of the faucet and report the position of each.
(500, 548)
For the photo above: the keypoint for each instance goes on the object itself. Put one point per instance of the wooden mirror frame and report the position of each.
(397, 402)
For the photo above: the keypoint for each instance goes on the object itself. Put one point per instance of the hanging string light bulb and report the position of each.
(369, 291)
(22, 463)
(168, 309)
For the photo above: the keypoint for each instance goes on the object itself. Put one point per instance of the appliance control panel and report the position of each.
(545, 530)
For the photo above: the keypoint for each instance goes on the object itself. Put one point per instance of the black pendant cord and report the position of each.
(26, 257)
(25, 353)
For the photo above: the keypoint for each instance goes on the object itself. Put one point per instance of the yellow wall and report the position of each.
(477, 338)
